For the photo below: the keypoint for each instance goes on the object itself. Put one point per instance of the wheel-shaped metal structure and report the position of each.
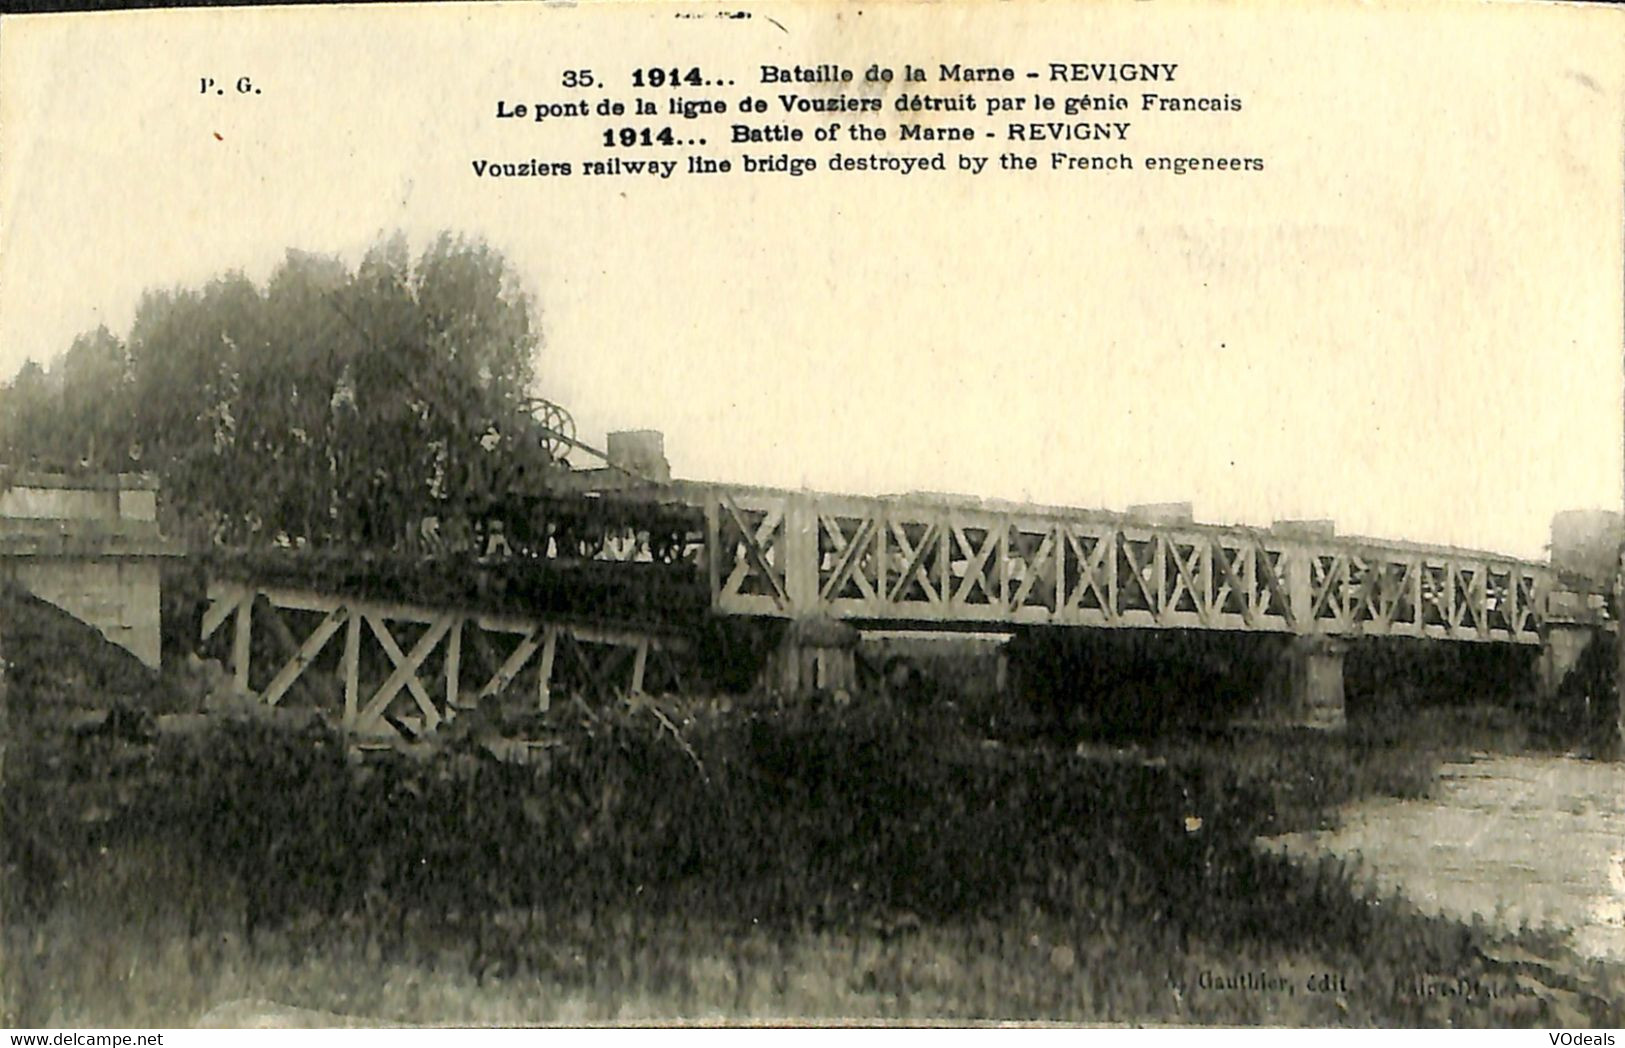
(557, 429)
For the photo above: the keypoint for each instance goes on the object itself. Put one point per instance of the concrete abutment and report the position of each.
(90, 545)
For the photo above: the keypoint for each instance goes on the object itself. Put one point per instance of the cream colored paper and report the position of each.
(1409, 320)
(1398, 303)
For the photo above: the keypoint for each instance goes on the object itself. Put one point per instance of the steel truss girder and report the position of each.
(603, 661)
(801, 554)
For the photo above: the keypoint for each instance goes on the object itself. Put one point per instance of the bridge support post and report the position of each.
(801, 554)
(815, 654)
(1306, 688)
(1562, 646)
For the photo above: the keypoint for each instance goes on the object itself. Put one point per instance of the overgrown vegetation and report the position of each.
(53, 660)
(904, 857)
(866, 861)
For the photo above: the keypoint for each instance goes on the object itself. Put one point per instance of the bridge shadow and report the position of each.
(1130, 685)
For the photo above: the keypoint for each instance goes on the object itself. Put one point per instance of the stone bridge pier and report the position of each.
(814, 654)
(1304, 687)
(1565, 644)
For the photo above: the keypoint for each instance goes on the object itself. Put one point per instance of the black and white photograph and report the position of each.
(806, 514)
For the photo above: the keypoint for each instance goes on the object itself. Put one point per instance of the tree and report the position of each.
(331, 405)
(28, 417)
(94, 411)
(446, 359)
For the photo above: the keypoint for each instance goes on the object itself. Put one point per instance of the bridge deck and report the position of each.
(593, 595)
(940, 562)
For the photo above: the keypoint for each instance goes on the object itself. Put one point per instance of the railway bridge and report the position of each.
(606, 590)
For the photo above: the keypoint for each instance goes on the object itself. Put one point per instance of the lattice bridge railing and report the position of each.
(903, 560)
(407, 668)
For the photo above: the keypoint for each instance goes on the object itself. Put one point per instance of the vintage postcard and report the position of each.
(689, 513)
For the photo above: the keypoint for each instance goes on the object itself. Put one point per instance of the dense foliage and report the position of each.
(868, 823)
(330, 404)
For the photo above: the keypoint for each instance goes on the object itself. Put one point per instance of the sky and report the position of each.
(1409, 322)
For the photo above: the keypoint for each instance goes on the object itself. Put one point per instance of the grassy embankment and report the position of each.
(878, 862)
(872, 864)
